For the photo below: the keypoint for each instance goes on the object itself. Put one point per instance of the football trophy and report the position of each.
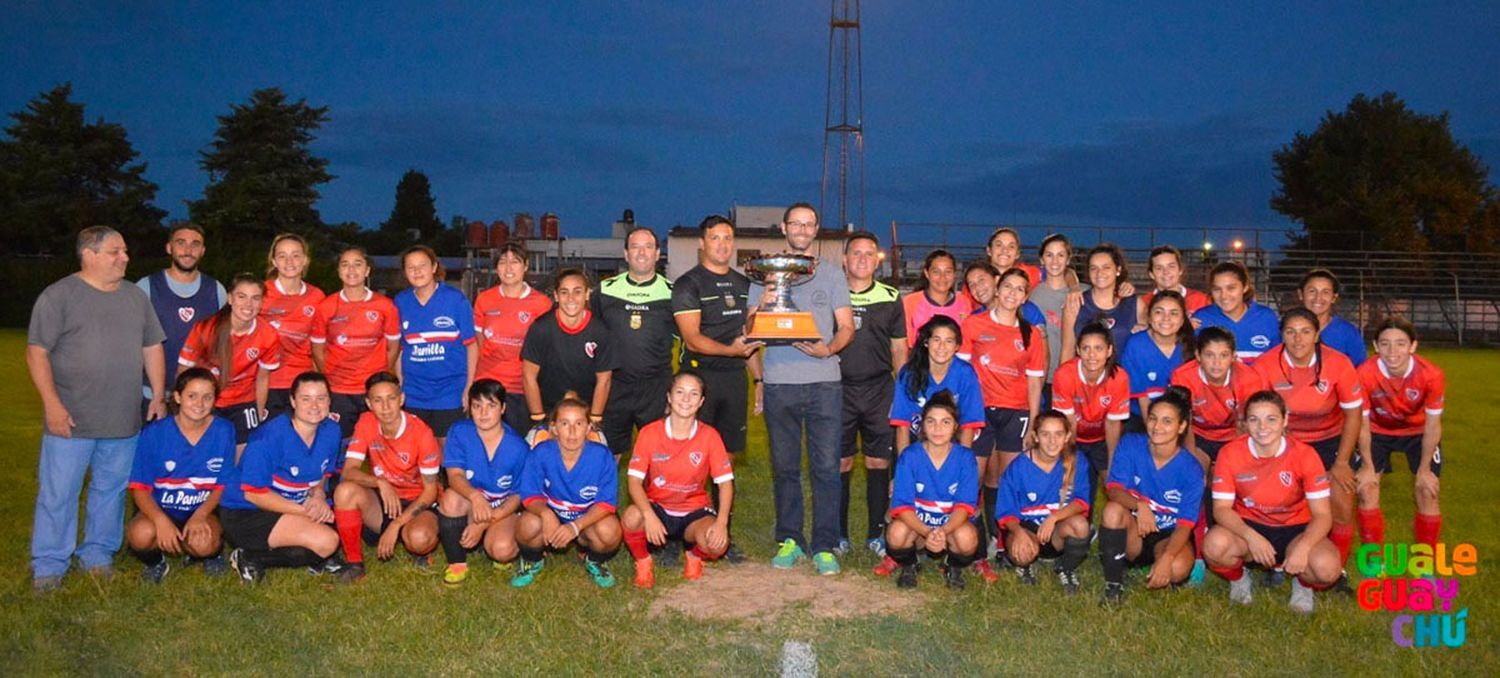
(782, 323)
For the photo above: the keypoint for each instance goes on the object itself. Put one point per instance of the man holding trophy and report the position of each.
(801, 312)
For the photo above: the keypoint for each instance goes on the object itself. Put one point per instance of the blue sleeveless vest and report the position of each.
(179, 314)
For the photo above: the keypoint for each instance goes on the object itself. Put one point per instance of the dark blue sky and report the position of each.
(1085, 114)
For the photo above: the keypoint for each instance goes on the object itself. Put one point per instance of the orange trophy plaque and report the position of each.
(782, 323)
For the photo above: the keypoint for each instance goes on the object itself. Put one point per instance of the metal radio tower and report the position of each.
(843, 129)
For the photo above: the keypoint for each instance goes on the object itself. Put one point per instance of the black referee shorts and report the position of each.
(632, 404)
(867, 416)
(726, 407)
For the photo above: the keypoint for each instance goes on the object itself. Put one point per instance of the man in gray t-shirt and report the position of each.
(803, 394)
(91, 337)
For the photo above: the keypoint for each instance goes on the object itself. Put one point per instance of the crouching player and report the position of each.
(1271, 505)
(1155, 491)
(1043, 503)
(274, 509)
(484, 458)
(175, 480)
(671, 460)
(394, 499)
(569, 488)
(933, 497)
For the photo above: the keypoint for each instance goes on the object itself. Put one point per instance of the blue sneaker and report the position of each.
(826, 562)
(526, 573)
(603, 578)
(788, 555)
(1196, 578)
(876, 545)
(842, 549)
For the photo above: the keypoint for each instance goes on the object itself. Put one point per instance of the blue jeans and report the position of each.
(54, 532)
(817, 409)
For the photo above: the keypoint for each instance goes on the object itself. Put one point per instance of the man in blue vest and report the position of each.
(181, 294)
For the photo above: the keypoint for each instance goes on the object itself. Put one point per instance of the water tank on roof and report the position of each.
(476, 236)
(551, 225)
(499, 234)
(523, 225)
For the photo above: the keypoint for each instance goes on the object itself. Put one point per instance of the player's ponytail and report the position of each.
(219, 330)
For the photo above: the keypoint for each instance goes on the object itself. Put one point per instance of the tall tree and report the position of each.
(263, 177)
(1394, 175)
(59, 174)
(415, 208)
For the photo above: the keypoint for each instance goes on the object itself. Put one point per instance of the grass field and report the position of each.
(402, 621)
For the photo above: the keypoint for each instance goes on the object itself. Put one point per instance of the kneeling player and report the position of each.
(1155, 491)
(1271, 506)
(1043, 503)
(672, 459)
(175, 480)
(569, 488)
(484, 458)
(393, 500)
(933, 496)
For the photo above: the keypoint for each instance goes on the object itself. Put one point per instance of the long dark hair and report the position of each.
(1237, 270)
(1180, 399)
(1185, 332)
(219, 330)
(1312, 319)
(1069, 454)
(919, 363)
(189, 376)
(927, 263)
(1117, 256)
(1021, 322)
(1098, 329)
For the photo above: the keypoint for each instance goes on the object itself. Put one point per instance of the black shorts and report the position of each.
(1210, 447)
(1004, 431)
(1381, 447)
(1048, 551)
(345, 408)
(278, 402)
(632, 404)
(372, 537)
(245, 417)
(726, 408)
(867, 416)
(677, 525)
(438, 420)
(1280, 536)
(1328, 451)
(249, 529)
(1097, 454)
(1147, 556)
(516, 415)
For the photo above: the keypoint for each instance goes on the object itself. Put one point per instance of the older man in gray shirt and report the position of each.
(803, 394)
(89, 341)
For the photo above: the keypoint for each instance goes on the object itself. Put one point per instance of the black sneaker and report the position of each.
(1342, 585)
(1069, 581)
(733, 555)
(670, 554)
(423, 562)
(1026, 575)
(249, 572)
(352, 573)
(954, 577)
(1113, 593)
(907, 579)
(1273, 578)
(153, 574)
(215, 566)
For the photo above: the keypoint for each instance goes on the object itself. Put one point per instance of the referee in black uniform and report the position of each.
(869, 361)
(636, 307)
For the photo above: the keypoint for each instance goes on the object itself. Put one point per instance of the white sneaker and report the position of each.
(1302, 597)
(1243, 590)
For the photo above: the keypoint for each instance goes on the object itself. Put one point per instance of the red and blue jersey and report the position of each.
(180, 475)
(1256, 332)
(1029, 494)
(497, 475)
(570, 493)
(1174, 492)
(960, 381)
(434, 341)
(1150, 372)
(276, 460)
(935, 493)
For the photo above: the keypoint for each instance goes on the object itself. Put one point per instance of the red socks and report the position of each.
(1200, 531)
(1372, 526)
(1233, 573)
(350, 525)
(1342, 536)
(698, 551)
(1315, 587)
(1426, 528)
(636, 542)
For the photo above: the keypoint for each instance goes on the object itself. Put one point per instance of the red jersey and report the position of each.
(293, 317)
(919, 309)
(1195, 299)
(1107, 398)
(1270, 490)
(1399, 406)
(1315, 411)
(1002, 361)
(673, 470)
(1217, 410)
(401, 460)
(502, 322)
(356, 335)
(256, 350)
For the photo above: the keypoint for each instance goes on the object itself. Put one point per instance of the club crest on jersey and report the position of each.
(523, 316)
(293, 470)
(921, 486)
(372, 316)
(1030, 496)
(404, 457)
(1105, 400)
(729, 301)
(1109, 322)
(469, 474)
(589, 492)
(186, 313)
(695, 458)
(1260, 341)
(984, 360)
(308, 311)
(1413, 394)
(170, 465)
(590, 347)
(1020, 346)
(1151, 376)
(1322, 386)
(341, 339)
(1285, 477)
(252, 353)
(660, 481)
(1172, 496)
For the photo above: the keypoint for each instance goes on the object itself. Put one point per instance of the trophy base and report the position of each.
(777, 328)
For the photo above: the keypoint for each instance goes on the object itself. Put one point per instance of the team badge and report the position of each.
(469, 474)
(729, 301)
(1030, 496)
(1151, 376)
(405, 324)
(1105, 400)
(590, 347)
(1020, 345)
(308, 311)
(372, 316)
(334, 417)
(170, 465)
(1413, 394)
(405, 458)
(1285, 477)
(695, 458)
(635, 321)
(920, 487)
(660, 481)
(523, 316)
(252, 353)
(1231, 403)
(1109, 322)
(341, 339)
(1322, 386)
(293, 470)
(186, 313)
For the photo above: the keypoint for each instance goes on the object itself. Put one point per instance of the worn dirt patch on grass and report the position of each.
(753, 591)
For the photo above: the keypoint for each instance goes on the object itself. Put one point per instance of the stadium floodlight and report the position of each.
(1208, 246)
(1239, 245)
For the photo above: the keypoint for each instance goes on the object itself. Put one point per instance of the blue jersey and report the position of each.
(570, 494)
(1174, 492)
(960, 381)
(1255, 333)
(276, 460)
(434, 348)
(1027, 493)
(498, 477)
(933, 494)
(1342, 336)
(1150, 372)
(180, 475)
